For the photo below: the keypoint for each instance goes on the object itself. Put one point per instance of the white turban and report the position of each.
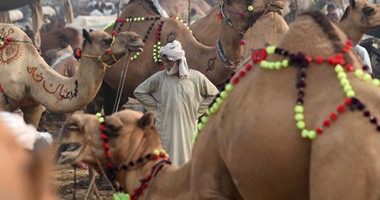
(174, 52)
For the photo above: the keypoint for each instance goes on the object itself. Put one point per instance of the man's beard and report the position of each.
(172, 71)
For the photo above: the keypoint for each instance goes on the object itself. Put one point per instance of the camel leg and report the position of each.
(32, 114)
(110, 100)
(97, 103)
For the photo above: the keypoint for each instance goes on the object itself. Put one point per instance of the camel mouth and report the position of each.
(69, 153)
(135, 48)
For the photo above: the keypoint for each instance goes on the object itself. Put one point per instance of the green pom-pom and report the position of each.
(285, 63)
(250, 8)
(301, 124)
(204, 119)
(342, 75)
(367, 77)
(347, 87)
(298, 109)
(223, 94)
(98, 114)
(101, 119)
(229, 87)
(121, 196)
(219, 100)
(277, 65)
(271, 49)
(376, 82)
(264, 64)
(212, 110)
(339, 68)
(312, 134)
(344, 81)
(304, 133)
(298, 117)
(350, 93)
(359, 73)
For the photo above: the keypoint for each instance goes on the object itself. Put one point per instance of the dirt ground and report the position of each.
(52, 122)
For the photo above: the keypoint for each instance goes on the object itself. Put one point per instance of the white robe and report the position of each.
(178, 103)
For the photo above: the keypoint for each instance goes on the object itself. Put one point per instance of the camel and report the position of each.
(217, 62)
(24, 175)
(49, 40)
(181, 8)
(29, 83)
(360, 17)
(269, 29)
(299, 121)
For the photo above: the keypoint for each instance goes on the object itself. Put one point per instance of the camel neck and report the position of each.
(351, 31)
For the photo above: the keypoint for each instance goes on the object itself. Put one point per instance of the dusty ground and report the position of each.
(52, 122)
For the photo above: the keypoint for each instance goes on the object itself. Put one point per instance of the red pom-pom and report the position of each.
(144, 185)
(333, 116)
(348, 101)
(309, 59)
(133, 197)
(114, 32)
(349, 67)
(110, 164)
(108, 153)
(319, 130)
(148, 177)
(103, 136)
(319, 59)
(219, 16)
(326, 123)
(235, 80)
(241, 73)
(102, 127)
(155, 157)
(106, 145)
(248, 67)
(340, 108)
(108, 51)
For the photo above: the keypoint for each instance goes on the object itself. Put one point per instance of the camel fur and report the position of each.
(251, 148)
(268, 30)
(199, 57)
(29, 83)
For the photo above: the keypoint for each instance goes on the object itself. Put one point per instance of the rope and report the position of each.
(75, 181)
(121, 83)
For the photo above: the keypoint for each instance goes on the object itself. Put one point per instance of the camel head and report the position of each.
(109, 49)
(362, 15)
(249, 10)
(129, 135)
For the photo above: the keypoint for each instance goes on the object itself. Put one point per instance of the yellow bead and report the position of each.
(304, 133)
(298, 117)
(359, 73)
(339, 68)
(98, 114)
(367, 77)
(301, 124)
(342, 75)
(298, 109)
(376, 82)
(270, 49)
(200, 126)
(204, 119)
(344, 81)
(101, 119)
(312, 134)
(350, 93)
(347, 87)
(277, 65)
(156, 152)
(250, 8)
(285, 63)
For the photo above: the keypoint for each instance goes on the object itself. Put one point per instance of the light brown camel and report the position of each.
(29, 83)
(269, 29)
(215, 62)
(180, 8)
(360, 17)
(253, 146)
(24, 175)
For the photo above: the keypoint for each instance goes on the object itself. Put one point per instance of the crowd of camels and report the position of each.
(261, 153)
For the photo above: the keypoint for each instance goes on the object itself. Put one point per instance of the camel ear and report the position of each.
(353, 3)
(86, 36)
(146, 121)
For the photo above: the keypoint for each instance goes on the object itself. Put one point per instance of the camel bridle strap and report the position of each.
(112, 168)
(232, 65)
(107, 52)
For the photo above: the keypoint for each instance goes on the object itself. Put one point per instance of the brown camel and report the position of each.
(269, 29)
(29, 83)
(217, 63)
(50, 40)
(360, 17)
(180, 8)
(24, 175)
(262, 152)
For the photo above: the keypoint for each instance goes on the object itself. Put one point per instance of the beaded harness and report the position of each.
(342, 67)
(112, 168)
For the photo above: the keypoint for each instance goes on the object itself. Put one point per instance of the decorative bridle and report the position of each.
(78, 54)
(113, 168)
(249, 11)
(301, 62)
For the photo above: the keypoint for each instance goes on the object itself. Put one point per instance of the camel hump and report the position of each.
(316, 33)
(14, 32)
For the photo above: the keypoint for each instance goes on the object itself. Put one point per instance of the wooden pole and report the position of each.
(189, 10)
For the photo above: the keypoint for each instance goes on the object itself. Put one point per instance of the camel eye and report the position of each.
(368, 10)
(72, 127)
(107, 41)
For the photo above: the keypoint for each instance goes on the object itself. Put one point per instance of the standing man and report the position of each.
(179, 95)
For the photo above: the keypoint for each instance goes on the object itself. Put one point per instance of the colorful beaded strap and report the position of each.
(341, 68)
